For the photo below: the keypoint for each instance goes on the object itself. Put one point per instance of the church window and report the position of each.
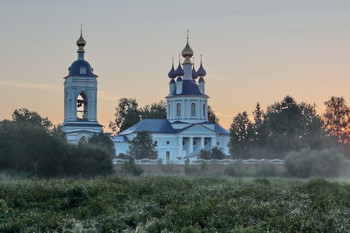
(82, 107)
(193, 109)
(156, 143)
(83, 70)
(167, 156)
(205, 142)
(194, 143)
(178, 109)
(167, 142)
(82, 140)
(218, 143)
(204, 110)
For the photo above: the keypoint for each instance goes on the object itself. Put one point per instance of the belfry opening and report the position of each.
(82, 107)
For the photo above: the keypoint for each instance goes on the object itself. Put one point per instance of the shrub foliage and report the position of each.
(174, 204)
(311, 163)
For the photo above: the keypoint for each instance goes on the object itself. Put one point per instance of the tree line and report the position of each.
(290, 126)
(31, 145)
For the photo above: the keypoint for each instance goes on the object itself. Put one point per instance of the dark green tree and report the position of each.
(258, 115)
(337, 119)
(103, 142)
(211, 116)
(33, 118)
(127, 114)
(213, 153)
(241, 135)
(154, 111)
(142, 146)
(289, 125)
(29, 147)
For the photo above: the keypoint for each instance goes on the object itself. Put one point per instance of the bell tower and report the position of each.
(80, 99)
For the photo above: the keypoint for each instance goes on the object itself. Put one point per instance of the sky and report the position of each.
(253, 51)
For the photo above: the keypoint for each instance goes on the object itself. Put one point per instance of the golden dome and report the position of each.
(81, 43)
(187, 52)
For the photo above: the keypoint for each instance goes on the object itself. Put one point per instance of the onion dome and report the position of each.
(179, 71)
(171, 73)
(194, 74)
(81, 43)
(201, 71)
(179, 79)
(187, 52)
(201, 79)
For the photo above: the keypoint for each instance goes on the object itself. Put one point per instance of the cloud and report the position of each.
(34, 86)
(223, 115)
(102, 95)
(105, 95)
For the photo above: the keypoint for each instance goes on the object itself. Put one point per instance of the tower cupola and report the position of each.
(201, 71)
(172, 73)
(179, 71)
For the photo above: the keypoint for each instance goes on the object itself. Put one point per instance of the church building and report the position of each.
(181, 136)
(186, 130)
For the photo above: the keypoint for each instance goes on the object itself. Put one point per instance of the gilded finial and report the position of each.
(201, 57)
(187, 52)
(179, 57)
(81, 42)
(172, 60)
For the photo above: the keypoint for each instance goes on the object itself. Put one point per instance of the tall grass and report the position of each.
(174, 204)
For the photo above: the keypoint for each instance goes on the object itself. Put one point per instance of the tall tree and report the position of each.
(154, 111)
(258, 115)
(127, 114)
(30, 117)
(103, 142)
(142, 146)
(337, 119)
(289, 125)
(241, 135)
(211, 116)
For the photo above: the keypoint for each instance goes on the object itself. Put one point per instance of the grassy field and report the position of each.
(174, 204)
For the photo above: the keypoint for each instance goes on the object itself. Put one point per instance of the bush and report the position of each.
(213, 153)
(169, 168)
(261, 169)
(264, 169)
(234, 169)
(314, 163)
(131, 168)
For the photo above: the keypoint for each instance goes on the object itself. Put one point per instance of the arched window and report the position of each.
(83, 70)
(83, 140)
(193, 109)
(204, 110)
(178, 109)
(82, 106)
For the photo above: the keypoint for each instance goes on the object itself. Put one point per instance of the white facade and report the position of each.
(186, 130)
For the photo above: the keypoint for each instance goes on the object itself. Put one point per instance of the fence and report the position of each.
(200, 161)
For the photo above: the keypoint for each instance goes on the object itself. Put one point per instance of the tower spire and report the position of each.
(81, 44)
(187, 52)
